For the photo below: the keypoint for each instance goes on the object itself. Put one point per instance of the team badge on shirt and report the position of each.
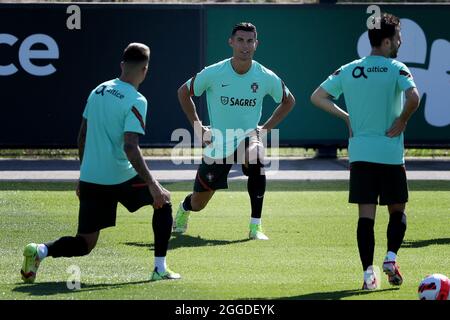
(224, 100)
(254, 87)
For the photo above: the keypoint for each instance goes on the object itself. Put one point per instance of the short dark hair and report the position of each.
(388, 24)
(244, 26)
(136, 53)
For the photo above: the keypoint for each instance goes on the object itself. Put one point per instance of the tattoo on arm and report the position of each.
(134, 155)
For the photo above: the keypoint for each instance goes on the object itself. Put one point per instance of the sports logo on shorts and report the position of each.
(254, 87)
(209, 176)
(224, 100)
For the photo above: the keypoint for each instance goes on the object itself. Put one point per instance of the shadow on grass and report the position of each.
(425, 243)
(182, 241)
(53, 288)
(333, 295)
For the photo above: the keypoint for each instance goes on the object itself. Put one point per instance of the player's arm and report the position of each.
(131, 147)
(286, 105)
(411, 104)
(81, 142)
(323, 100)
(134, 155)
(188, 105)
(189, 109)
(82, 138)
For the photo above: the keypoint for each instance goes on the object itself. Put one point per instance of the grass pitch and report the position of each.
(312, 251)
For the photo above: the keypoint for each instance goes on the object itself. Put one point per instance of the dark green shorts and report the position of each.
(372, 181)
(98, 203)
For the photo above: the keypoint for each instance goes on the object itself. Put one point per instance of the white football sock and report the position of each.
(255, 221)
(42, 251)
(160, 264)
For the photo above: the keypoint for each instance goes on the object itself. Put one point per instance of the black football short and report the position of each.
(213, 175)
(377, 183)
(98, 203)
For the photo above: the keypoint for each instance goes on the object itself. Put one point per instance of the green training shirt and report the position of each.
(373, 91)
(234, 102)
(113, 108)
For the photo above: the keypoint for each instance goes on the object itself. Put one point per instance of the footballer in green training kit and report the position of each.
(235, 89)
(377, 116)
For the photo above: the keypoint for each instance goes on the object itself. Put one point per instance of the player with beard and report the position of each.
(377, 117)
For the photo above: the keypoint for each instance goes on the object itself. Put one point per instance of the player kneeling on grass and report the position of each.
(373, 88)
(235, 89)
(112, 170)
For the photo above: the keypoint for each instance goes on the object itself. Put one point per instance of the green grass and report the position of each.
(311, 254)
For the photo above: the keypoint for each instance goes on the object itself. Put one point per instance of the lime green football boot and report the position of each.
(167, 275)
(30, 263)
(256, 232)
(181, 220)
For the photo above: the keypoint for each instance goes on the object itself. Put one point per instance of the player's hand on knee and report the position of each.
(160, 195)
(206, 135)
(255, 151)
(166, 194)
(261, 131)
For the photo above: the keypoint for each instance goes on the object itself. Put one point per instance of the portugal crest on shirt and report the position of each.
(224, 100)
(254, 87)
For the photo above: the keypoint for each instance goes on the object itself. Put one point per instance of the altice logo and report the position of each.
(433, 80)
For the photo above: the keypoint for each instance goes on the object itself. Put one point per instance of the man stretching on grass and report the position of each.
(112, 170)
(235, 89)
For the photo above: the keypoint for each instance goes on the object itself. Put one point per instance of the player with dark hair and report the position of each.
(112, 170)
(235, 89)
(377, 117)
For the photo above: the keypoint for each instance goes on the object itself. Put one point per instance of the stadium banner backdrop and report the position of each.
(47, 70)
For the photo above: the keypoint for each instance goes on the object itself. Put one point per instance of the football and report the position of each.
(434, 287)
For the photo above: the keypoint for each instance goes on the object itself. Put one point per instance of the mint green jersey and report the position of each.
(373, 90)
(113, 108)
(234, 102)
